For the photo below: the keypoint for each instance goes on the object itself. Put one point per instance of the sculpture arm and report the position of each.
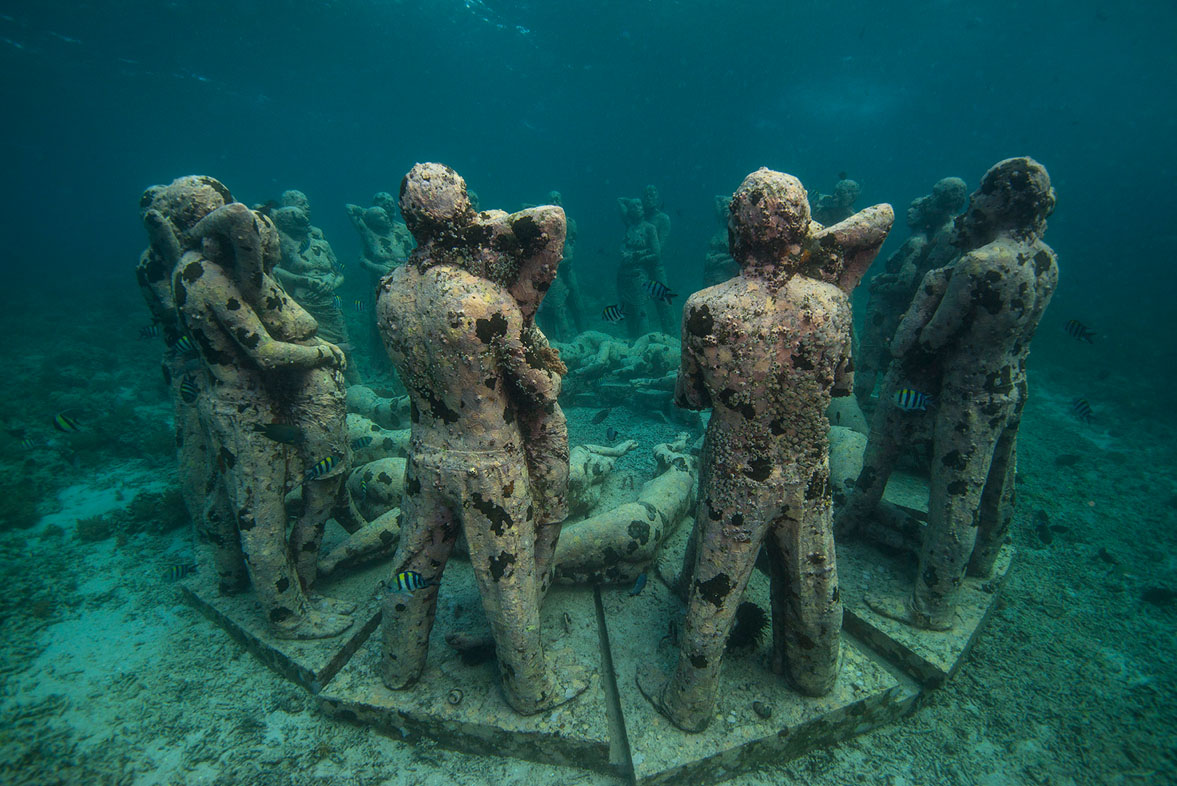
(955, 306)
(690, 392)
(919, 312)
(523, 368)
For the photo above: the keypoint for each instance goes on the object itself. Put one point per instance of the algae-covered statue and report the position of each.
(967, 334)
(274, 388)
(456, 320)
(765, 351)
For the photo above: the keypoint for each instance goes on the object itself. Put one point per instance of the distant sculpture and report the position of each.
(273, 386)
(641, 258)
(386, 243)
(718, 265)
(765, 351)
(838, 206)
(455, 322)
(562, 315)
(929, 246)
(309, 271)
(964, 343)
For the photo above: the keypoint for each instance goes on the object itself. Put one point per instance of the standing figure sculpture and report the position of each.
(967, 334)
(718, 265)
(263, 374)
(641, 255)
(309, 271)
(930, 246)
(562, 314)
(455, 330)
(838, 206)
(765, 351)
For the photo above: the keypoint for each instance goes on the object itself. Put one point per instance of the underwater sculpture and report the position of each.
(969, 332)
(838, 206)
(309, 271)
(641, 258)
(562, 314)
(766, 350)
(456, 321)
(167, 213)
(929, 246)
(275, 387)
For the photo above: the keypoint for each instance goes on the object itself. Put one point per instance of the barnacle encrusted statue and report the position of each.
(765, 351)
(274, 389)
(456, 320)
(963, 343)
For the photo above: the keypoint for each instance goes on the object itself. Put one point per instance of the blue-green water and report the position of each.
(1073, 680)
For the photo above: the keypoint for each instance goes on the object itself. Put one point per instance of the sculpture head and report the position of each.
(385, 200)
(434, 200)
(846, 192)
(651, 200)
(1014, 196)
(185, 200)
(376, 219)
(296, 198)
(292, 221)
(555, 198)
(723, 205)
(769, 219)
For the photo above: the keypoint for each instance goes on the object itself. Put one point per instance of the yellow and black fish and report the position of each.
(910, 400)
(28, 443)
(360, 306)
(613, 313)
(409, 581)
(1078, 331)
(658, 290)
(179, 571)
(186, 345)
(1082, 410)
(338, 301)
(63, 422)
(321, 468)
(363, 488)
(151, 331)
(189, 390)
(360, 443)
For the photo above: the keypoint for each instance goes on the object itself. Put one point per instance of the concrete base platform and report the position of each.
(313, 663)
(868, 694)
(930, 657)
(460, 706)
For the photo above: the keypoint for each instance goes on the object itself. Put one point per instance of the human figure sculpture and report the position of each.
(838, 206)
(968, 334)
(167, 212)
(386, 243)
(656, 270)
(562, 314)
(929, 246)
(718, 265)
(266, 368)
(641, 256)
(310, 272)
(454, 326)
(766, 350)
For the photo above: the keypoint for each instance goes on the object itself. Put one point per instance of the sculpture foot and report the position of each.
(568, 683)
(325, 605)
(313, 625)
(900, 611)
(652, 683)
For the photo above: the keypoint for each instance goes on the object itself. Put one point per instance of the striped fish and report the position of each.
(910, 400)
(360, 443)
(151, 331)
(363, 488)
(1082, 410)
(409, 581)
(613, 313)
(189, 390)
(360, 306)
(186, 345)
(658, 290)
(63, 422)
(338, 301)
(1078, 331)
(28, 443)
(321, 468)
(179, 571)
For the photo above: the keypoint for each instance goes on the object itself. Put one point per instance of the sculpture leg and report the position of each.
(964, 444)
(997, 500)
(806, 608)
(882, 450)
(428, 533)
(727, 552)
(501, 531)
(319, 499)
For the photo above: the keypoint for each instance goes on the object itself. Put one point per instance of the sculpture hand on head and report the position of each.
(296, 198)
(170, 211)
(292, 221)
(1014, 196)
(435, 202)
